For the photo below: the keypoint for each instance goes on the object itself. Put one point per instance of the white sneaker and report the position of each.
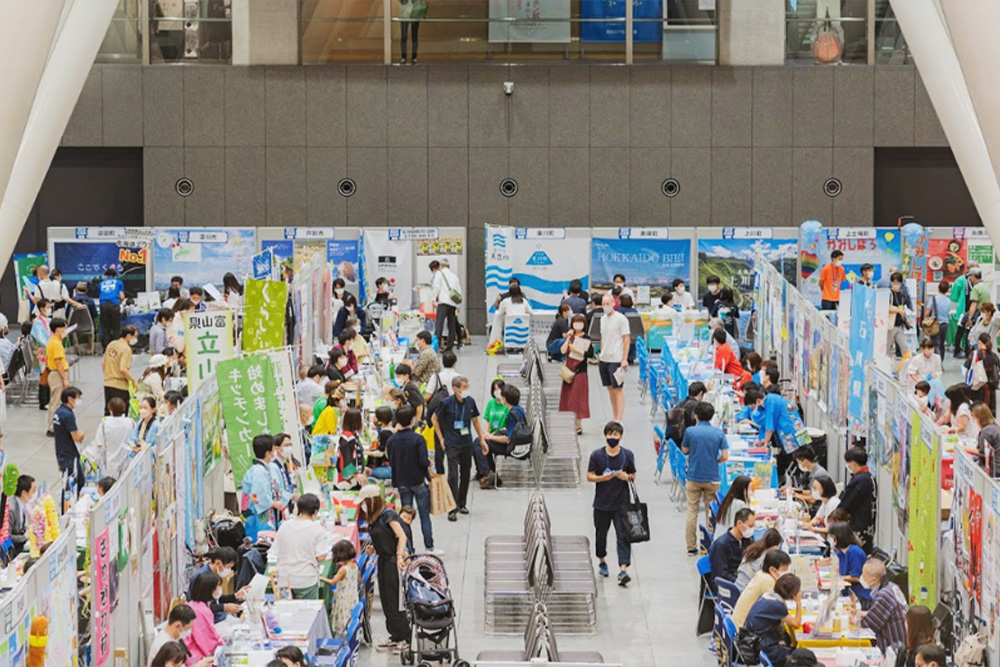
(436, 552)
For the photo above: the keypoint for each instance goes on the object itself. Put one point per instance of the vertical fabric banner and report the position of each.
(991, 561)
(250, 406)
(264, 315)
(284, 385)
(924, 513)
(862, 345)
(499, 262)
(208, 339)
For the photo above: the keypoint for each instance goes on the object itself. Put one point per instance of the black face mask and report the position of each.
(612, 442)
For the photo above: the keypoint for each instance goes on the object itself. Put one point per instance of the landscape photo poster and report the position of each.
(733, 261)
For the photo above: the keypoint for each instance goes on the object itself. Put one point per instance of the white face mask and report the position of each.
(578, 326)
(680, 289)
(802, 468)
(608, 310)
(286, 452)
(185, 634)
(816, 494)
(225, 573)
(339, 291)
(865, 584)
(713, 288)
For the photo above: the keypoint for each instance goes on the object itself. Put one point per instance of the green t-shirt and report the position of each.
(318, 408)
(496, 415)
(958, 295)
(980, 293)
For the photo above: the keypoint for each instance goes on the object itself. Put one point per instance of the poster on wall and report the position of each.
(643, 31)
(545, 265)
(86, 261)
(947, 259)
(924, 514)
(202, 256)
(24, 264)
(499, 262)
(652, 262)
(391, 259)
(880, 247)
(447, 247)
(991, 562)
(342, 256)
(530, 21)
(732, 259)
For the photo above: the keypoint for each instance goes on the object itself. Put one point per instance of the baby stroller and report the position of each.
(431, 611)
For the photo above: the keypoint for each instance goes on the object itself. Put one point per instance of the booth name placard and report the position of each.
(643, 233)
(747, 232)
(413, 233)
(540, 233)
(301, 233)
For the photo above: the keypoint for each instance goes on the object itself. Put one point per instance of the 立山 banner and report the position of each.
(249, 398)
(643, 261)
(86, 261)
(499, 262)
(598, 31)
(880, 247)
(264, 315)
(208, 340)
(732, 260)
(392, 259)
(202, 256)
(530, 21)
(545, 265)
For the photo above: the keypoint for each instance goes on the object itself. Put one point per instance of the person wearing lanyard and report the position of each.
(112, 296)
(452, 421)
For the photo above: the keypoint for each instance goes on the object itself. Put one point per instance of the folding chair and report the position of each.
(727, 593)
(706, 537)
(680, 472)
(707, 598)
(729, 639)
(765, 661)
(719, 647)
(661, 455)
(713, 515)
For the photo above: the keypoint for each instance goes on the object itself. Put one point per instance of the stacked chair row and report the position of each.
(521, 570)
(539, 645)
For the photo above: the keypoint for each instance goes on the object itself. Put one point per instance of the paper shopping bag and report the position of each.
(441, 499)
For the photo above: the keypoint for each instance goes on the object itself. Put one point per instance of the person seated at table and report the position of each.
(715, 324)
(726, 359)
(177, 627)
(158, 332)
(886, 616)
(310, 387)
(958, 415)
(414, 396)
(175, 654)
(329, 417)
(350, 461)
(858, 497)
(851, 559)
(221, 561)
(346, 583)
(726, 553)
(291, 656)
(775, 564)
(753, 556)
(260, 508)
(930, 655)
(806, 470)
(204, 638)
(378, 461)
(753, 362)
(336, 365)
(752, 413)
(736, 498)
(300, 545)
(770, 620)
(988, 440)
(919, 631)
(824, 491)
(345, 341)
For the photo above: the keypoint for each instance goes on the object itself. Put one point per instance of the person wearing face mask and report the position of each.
(925, 366)
(850, 558)
(495, 416)
(310, 387)
(613, 359)
(18, 512)
(454, 422)
(558, 333)
(112, 296)
(117, 364)
(831, 277)
(574, 396)
(177, 629)
(146, 429)
(713, 284)
(220, 562)
(611, 469)
(706, 447)
(206, 587)
(775, 564)
(858, 496)
(619, 282)
(348, 311)
(176, 654)
(807, 470)
(726, 553)
(56, 367)
(111, 446)
(899, 305)
(886, 616)
(499, 441)
(427, 363)
(260, 501)
(345, 341)
(823, 491)
(337, 364)
(284, 470)
(867, 277)
(68, 436)
(770, 619)
(681, 295)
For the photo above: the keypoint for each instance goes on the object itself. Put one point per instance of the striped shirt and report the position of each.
(887, 616)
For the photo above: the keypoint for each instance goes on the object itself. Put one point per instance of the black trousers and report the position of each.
(961, 340)
(73, 470)
(415, 27)
(459, 469)
(44, 396)
(449, 314)
(111, 323)
(111, 392)
(602, 524)
(388, 591)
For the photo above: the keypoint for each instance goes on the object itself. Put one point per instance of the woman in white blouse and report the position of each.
(925, 366)
(959, 413)
(825, 491)
(515, 304)
(109, 448)
(736, 499)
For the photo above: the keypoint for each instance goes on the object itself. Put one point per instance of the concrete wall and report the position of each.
(429, 145)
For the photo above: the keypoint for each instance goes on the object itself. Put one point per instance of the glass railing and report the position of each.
(123, 40)
(843, 32)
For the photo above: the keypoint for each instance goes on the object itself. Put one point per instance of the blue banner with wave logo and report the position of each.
(499, 265)
(653, 262)
(545, 267)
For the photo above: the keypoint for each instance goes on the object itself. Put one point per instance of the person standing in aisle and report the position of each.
(112, 297)
(456, 417)
(117, 364)
(410, 466)
(706, 447)
(712, 295)
(615, 339)
(899, 306)
(55, 363)
(858, 497)
(574, 396)
(831, 277)
(611, 470)
(68, 436)
(446, 291)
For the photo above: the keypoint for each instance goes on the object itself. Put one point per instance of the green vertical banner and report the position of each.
(23, 266)
(264, 315)
(924, 532)
(249, 405)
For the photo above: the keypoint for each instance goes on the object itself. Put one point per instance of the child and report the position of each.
(346, 581)
(922, 391)
(407, 513)
(290, 656)
(383, 425)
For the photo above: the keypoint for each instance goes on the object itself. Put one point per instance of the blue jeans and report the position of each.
(422, 497)
(382, 472)
(555, 349)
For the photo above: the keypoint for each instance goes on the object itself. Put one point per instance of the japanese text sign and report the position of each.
(208, 339)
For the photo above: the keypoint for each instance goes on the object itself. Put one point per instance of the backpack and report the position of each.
(521, 439)
(972, 651)
(440, 393)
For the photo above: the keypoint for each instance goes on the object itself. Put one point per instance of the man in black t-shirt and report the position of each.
(712, 295)
(611, 470)
(454, 421)
(67, 436)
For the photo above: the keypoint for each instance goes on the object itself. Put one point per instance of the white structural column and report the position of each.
(67, 60)
(751, 33)
(961, 88)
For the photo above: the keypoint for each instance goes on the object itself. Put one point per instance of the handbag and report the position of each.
(748, 646)
(635, 517)
(930, 325)
(453, 294)
(440, 393)
(43, 379)
(977, 373)
(567, 374)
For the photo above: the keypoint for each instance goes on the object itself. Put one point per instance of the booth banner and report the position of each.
(499, 262)
(880, 247)
(732, 259)
(202, 256)
(862, 345)
(250, 405)
(530, 21)
(86, 261)
(211, 425)
(545, 268)
(208, 339)
(284, 251)
(981, 252)
(24, 264)
(265, 265)
(648, 262)
(967, 508)
(991, 561)
(284, 384)
(390, 259)
(342, 256)
(924, 518)
(264, 315)
(947, 259)
(650, 31)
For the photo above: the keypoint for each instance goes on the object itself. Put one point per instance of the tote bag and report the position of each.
(441, 498)
(635, 517)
